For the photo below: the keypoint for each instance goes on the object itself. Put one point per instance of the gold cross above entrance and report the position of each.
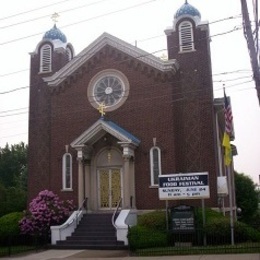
(101, 109)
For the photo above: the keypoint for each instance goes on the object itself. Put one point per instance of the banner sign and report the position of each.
(184, 186)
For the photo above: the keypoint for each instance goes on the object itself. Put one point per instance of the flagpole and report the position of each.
(228, 158)
(230, 204)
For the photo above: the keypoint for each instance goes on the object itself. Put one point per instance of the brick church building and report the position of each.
(104, 124)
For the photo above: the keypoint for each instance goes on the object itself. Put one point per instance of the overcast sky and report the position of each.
(23, 23)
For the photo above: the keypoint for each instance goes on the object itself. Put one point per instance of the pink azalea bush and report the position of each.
(44, 211)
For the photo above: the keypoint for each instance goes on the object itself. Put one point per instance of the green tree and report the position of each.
(13, 165)
(246, 196)
(13, 178)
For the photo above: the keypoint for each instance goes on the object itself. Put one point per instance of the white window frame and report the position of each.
(69, 54)
(152, 165)
(46, 59)
(66, 171)
(186, 37)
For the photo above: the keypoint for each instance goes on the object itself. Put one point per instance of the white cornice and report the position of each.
(97, 130)
(97, 45)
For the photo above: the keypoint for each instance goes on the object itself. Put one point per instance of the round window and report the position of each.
(110, 88)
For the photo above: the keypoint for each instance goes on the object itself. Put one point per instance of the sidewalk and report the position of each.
(116, 255)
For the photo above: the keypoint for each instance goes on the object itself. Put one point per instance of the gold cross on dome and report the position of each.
(101, 109)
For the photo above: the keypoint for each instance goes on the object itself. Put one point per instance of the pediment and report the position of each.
(99, 129)
(97, 45)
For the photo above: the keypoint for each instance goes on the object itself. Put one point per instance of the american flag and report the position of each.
(228, 115)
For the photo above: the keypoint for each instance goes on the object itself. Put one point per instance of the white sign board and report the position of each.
(184, 186)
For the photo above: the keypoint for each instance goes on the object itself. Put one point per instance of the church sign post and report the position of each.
(180, 187)
(184, 186)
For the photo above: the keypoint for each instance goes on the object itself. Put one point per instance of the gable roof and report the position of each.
(97, 45)
(99, 129)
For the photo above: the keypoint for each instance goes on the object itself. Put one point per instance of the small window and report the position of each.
(67, 171)
(46, 59)
(186, 38)
(155, 165)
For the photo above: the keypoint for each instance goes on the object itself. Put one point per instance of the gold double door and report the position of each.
(110, 187)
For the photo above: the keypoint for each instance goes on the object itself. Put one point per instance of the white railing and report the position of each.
(63, 231)
(126, 218)
(115, 212)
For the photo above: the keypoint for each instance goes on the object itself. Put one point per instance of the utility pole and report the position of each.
(251, 45)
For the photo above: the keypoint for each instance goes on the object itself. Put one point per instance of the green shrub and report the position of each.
(245, 233)
(142, 237)
(209, 215)
(255, 221)
(151, 231)
(9, 224)
(219, 232)
(155, 220)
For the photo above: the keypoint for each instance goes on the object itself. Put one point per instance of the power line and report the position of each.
(240, 83)
(76, 111)
(103, 15)
(15, 114)
(150, 85)
(32, 10)
(233, 79)
(136, 107)
(44, 16)
(147, 54)
(231, 72)
(82, 21)
(13, 90)
(15, 135)
(227, 18)
(219, 34)
(12, 110)
(236, 28)
(223, 73)
(12, 73)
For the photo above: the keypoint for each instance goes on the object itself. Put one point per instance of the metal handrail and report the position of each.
(114, 214)
(84, 205)
(81, 207)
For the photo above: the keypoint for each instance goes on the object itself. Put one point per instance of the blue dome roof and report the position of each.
(187, 9)
(55, 34)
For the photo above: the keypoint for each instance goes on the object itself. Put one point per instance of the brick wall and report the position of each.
(177, 110)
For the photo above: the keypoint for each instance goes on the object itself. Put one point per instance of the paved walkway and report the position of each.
(116, 255)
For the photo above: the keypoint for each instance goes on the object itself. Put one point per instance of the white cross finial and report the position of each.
(55, 17)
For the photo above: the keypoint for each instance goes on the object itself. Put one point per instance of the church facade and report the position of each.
(104, 124)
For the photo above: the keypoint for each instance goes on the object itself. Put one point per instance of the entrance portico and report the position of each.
(105, 154)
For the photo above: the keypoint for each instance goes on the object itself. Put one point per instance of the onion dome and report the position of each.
(187, 9)
(55, 34)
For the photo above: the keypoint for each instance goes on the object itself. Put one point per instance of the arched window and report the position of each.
(155, 165)
(46, 58)
(69, 54)
(67, 171)
(186, 37)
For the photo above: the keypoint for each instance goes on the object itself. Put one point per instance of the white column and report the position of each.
(128, 155)
(126, 183)
(80, 175)
(80, 181)
(88, 184)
